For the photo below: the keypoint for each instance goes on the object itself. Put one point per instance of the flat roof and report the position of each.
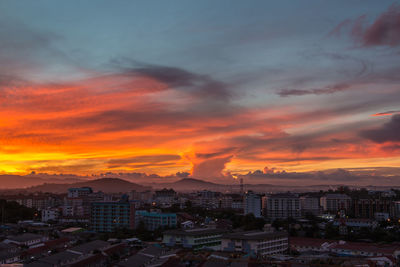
(60, 257)
(195, 232)
(24, 237)
(90, 246)
(254, 235)
(72, 229)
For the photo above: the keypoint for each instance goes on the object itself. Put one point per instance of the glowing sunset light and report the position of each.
(213, 90)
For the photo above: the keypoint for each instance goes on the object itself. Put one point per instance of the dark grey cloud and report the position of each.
(383, 31)
(388, 132)
(201, 85)
(317, 91)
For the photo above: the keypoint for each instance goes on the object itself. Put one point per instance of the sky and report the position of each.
(269, 91)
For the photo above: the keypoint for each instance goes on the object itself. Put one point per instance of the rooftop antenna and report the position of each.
(241, 186)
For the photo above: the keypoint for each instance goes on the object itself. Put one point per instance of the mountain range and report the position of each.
(15, 183)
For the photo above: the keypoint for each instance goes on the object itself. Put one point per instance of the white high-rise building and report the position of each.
(252, 204)
(282, 206)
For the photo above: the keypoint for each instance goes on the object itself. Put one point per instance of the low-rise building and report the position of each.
(26, 239)
(256, 242)
(50, 214)
(9, 253)
(356, 223)
(304, 244)
(199, 238)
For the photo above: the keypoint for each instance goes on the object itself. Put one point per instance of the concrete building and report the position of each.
(79, 192)
(50, 214)
(282, 206)
(153, 220)
(310, 205)
(225, 202)
(367, 207)
(26, 239)
(107, 216)
(336, 202)
(356, 223)
(144, 197)
(206, 199)
(256, 242)
(252, 204)
(165, 196)
(194, 238)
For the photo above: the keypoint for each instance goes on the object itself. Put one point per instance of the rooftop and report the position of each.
(196, 231)
(135, 260)
(24, 237)
(90, 247)
(60, 257)
(254, 235)
(309, 242)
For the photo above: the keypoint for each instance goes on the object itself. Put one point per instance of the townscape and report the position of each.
(208, 133)
(81, 227)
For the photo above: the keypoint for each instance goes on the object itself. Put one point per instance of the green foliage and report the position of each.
(12, 212)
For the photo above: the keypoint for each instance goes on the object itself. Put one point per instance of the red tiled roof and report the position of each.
(56, 242)
(87, 261)
(114, 248)
(367, 247)
(309, 242)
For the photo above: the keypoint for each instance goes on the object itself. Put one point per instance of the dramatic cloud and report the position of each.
(202, 86)
(210, 168)
(196, 95)
(388, 132)
(384, 31)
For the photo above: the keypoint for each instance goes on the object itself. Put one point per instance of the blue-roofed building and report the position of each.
(108, 216)
(153, 220)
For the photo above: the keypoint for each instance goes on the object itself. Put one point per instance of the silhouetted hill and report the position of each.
(18, 181)
(191, 184)
(107, 185)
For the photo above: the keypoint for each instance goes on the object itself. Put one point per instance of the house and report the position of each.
(9, 253)
(26, 239)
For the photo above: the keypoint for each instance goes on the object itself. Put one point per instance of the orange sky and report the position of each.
(217, 96)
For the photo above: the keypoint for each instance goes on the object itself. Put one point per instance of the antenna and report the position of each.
(241, 186)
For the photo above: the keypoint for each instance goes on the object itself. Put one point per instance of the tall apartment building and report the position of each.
(336, 202)
(282, 206)
(310, 205)
(108, 216)
(252, 204)
(367, 207)
(153, 220)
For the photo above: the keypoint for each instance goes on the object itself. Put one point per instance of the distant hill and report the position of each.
(107, 185)
(191, 184)
(18, 181)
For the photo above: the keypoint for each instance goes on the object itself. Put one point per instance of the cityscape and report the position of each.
(199, 133)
